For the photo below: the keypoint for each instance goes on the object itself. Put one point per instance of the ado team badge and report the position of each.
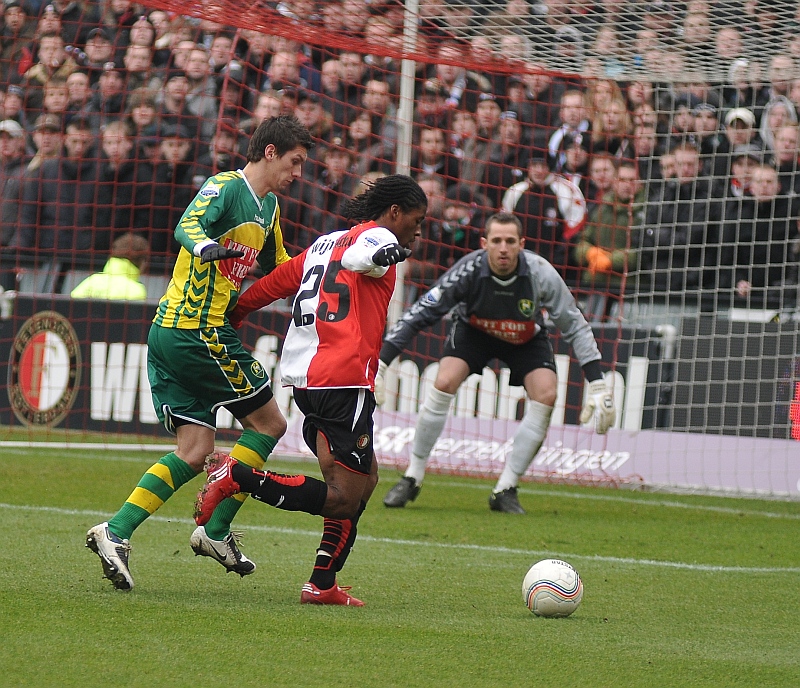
(525, 307)
(44, 369)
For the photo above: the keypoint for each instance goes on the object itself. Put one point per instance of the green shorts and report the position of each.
(194, 372)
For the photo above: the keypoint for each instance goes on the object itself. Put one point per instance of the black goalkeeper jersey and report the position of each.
(509, 309)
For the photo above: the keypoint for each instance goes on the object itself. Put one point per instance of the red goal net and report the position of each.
(649, 150)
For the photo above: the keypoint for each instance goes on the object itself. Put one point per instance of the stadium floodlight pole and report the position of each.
(405, 120)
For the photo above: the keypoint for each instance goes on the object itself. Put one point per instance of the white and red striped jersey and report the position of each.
(341, 299)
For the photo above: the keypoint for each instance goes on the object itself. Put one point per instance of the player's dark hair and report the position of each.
(284, 132)
(382, 194)
(503, 219)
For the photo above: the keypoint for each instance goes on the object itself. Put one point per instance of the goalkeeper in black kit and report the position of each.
(496, 295)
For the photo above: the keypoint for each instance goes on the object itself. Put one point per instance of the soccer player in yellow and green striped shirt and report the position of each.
(196, 362)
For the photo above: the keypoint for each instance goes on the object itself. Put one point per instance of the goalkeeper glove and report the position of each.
(390, 255)
(600, 406)
(214, 252)
(380, 384)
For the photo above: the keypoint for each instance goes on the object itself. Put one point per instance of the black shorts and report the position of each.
(478, 348)
(344, 417)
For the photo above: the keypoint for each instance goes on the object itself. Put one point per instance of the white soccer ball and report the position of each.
(552, 588)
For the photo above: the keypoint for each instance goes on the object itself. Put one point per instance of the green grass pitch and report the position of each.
(679, 590)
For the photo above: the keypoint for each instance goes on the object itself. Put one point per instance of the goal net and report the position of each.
(649, 150)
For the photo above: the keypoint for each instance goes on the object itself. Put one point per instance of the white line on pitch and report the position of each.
(441, 545)
(477, 486)
(92, 446)
(643, 502)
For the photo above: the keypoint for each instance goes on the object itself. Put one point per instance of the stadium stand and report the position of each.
(112, 115)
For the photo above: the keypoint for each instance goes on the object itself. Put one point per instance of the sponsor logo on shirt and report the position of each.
(511, 331)
(211, 190)
(432, 297)
(372, 241)
(236, 269)
(260, 219)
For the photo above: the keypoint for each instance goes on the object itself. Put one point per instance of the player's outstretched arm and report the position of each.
(283, 281)
(374, 252)
(390, 255)
(450, 289)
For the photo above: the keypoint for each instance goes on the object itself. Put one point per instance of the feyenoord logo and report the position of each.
(362, 442)
(44, 369)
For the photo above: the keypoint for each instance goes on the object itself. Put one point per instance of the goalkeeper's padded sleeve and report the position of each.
(389, 352)
(592, 371)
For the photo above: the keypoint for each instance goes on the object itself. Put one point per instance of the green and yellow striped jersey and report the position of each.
(227, 210)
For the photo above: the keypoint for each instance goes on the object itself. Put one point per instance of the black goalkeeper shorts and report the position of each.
(478, 348)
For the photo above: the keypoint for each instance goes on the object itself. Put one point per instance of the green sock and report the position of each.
(252, 449)
(155, 487)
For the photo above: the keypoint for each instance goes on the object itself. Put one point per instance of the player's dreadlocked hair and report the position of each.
(382, 194)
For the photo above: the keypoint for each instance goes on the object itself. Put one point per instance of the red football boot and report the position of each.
(219, 485)
(336, 595)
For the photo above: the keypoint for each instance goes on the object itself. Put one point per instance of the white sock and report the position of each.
(432, 417)
(416, 468)
(529, 438)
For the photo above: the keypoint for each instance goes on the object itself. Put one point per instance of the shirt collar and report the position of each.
(259, 201)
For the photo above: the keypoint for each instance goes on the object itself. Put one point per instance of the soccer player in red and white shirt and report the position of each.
(342, 285)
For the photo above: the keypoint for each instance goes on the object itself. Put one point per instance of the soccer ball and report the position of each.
(552, 588)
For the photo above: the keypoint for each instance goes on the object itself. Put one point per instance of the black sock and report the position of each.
(338, 537)
(248, 478)
(348, 545)
(334, 536)
(287, 492)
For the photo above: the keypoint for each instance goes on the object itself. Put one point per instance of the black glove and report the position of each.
(214, 252)
(390, 255)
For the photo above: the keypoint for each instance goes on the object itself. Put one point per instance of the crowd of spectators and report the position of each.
(649, 149)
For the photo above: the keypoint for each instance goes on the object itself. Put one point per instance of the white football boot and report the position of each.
(113, 553)
(226, 551)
